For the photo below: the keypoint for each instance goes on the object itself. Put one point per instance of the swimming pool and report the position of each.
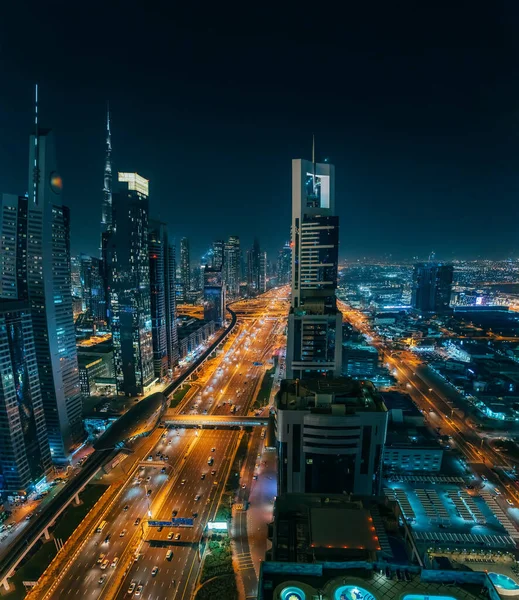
(503, 581)
(352, 592)
(292, 593)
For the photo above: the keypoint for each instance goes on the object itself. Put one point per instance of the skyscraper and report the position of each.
(162, 287)
(284, 265)
(93, 284)
(254, 269)
(262, 274)
(314, 323)
(432, 286)
(24, 446)
(214, 295)
(13, 247)
(218, 255)
(49, 292)
(185, 267)
(232, 266)
(129, 285)
(106, 209)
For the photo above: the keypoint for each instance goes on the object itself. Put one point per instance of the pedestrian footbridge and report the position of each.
(219, 421)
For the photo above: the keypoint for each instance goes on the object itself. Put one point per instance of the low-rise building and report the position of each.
(192, 333)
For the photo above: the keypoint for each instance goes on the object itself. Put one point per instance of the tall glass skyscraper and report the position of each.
(432, 287)
(129, 285)
(24, 446)
(13, 247)
(49, 292)
(163, 306)
(232, 266)
(314, 324)
(185, 267)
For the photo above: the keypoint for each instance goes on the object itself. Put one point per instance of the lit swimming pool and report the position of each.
(503, 581)
(352, 592)
(292, 593)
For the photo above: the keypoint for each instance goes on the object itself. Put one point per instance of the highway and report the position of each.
(188, 486)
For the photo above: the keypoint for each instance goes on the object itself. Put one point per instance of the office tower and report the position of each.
(13, 247)
(49, 291)
(284, 266)
(330, 435)
(93, 284)
(24, 446)
(170, 266)
(129, 284)
(163, 306)
(214, 295)
(106, 209)
(218, 255)
(75, 278)
(185, 267)
(232, 266)
(432, 286)
(253, 269)
(314, 323)
(262, 274)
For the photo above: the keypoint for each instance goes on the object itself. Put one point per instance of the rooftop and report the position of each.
(334, 395)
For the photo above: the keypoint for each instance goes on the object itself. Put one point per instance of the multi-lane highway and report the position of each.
(185, 485)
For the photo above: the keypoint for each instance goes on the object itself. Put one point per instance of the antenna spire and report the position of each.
(313, 148)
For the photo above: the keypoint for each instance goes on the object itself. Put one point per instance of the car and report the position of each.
(177, 537)
(195, 515)
(484, 478)
(183, 482)
(213, 449)
(126, 507)
(132, 587)
(215, 482)
(101, 558)
(104, 564)
(254, 477)
(154, 571)
(170, 535)
(138, 591)
(150, 457)
(101, 580)
(163, 470)
(148, 478)
(509, 502)
(123, 533)
(107, 538)
(243, 486)
(160, 528)
(174, 513)
(197, 497)
(137, 521)
(213, 472)
(114, 562)
(148, 493)
(169, 554)
(497, 491)
(202, 476)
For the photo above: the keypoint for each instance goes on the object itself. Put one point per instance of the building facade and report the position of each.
(314, 324)
(129, 284)
(13, 247)
(214, 296)
(432, 287)
(185, 268)
(232, 266)
(284, 265)
(24, 446)
(49, 292)
(330, 435)
(93, 286)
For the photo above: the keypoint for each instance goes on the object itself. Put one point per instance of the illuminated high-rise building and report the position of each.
(284, 265)
(106, 209)
(185, 267)
(129, 286)
(49, 292)
(432, 287)
(13, 247)
(93, 286)
(254, 269)
(24, 446)
(218, 255)
(232, 266)
(262, 274)
(163, 307)
(314, 323)
(214, 295)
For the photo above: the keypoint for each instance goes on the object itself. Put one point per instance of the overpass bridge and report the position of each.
(171, 419)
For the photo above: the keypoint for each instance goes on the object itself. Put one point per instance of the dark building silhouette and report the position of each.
(432, 286)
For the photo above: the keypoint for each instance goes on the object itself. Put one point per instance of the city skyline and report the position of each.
(422, 149)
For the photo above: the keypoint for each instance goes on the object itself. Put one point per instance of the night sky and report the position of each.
(417, 108)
